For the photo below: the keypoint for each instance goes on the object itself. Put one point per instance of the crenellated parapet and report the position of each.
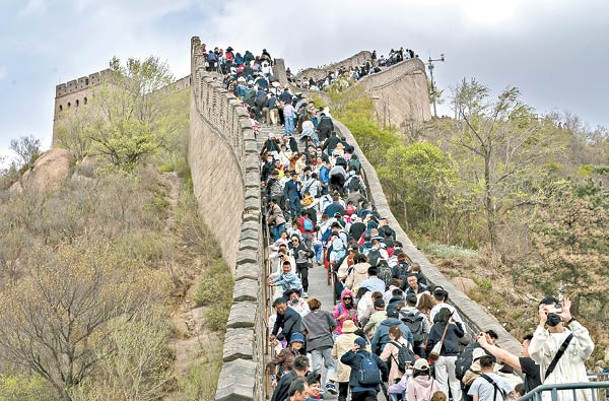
(223, 158)
(81, 83)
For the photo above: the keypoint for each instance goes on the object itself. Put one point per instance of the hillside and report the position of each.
(109, 274)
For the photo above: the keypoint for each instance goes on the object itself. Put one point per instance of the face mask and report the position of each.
(409, 372)
(553, 320)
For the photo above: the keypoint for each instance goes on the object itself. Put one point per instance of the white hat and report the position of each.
(421, 364)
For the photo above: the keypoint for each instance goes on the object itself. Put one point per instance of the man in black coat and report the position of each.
(288, 320)
(324, 127)
(300, 368)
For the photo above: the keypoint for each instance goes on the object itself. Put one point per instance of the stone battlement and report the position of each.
(81, 83)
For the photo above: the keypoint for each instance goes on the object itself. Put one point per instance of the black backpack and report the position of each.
(374, 256)
(384, 273)
(464, 361)
(354, 184)
(415, 323)
(405, 356)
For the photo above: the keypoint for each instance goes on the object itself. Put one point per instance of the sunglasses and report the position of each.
(347, 298)
(295, 240)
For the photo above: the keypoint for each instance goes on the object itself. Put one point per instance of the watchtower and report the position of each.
(75, 94)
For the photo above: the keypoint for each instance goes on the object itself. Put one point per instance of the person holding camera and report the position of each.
(561, 349)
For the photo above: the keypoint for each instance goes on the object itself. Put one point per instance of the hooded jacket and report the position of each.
(338, 250)
(381, 337)
(341, 309)
(420, 388)
(358, 274)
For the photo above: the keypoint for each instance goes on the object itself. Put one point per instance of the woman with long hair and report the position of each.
(445, 364)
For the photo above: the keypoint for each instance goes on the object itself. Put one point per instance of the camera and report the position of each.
(556, 308)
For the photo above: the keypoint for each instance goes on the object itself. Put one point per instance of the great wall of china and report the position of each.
(223, 157)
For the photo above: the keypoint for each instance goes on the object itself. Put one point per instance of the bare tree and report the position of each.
(53, 321)
(27, 148)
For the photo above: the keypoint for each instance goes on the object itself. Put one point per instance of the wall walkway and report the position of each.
(223, 157)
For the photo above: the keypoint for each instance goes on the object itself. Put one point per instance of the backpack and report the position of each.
(374, 256)
(405, 356)
(368, 373)
(354, 184)
(385, 274)
(308, 224)
(415, 323)
(464, 362)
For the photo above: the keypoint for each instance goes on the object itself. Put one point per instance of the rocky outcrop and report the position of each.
(48, 172)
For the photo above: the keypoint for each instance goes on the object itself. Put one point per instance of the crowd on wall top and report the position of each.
(350, 74)
(388, 330)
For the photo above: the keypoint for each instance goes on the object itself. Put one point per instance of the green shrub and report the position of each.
(24, 388)
(201, 380)
(216, 283)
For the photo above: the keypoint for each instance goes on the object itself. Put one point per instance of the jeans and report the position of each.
(289, 125)
(445, 376)
(277, 232)
(294, 206)
(323, 355)
(303, 271)
(318, 251)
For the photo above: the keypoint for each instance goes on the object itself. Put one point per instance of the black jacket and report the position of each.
(451, 341)
(290, 322)
(331, 143)
(281, 391)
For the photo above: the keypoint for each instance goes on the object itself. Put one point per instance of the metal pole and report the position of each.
(433, 88)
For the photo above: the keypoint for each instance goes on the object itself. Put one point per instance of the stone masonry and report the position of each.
(223, 158)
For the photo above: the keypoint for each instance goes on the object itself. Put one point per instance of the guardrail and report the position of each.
(598, 391)
(269, 294)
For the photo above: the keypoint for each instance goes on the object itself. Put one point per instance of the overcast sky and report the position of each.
(555, 51)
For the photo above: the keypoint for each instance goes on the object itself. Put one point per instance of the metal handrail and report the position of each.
(594, 387)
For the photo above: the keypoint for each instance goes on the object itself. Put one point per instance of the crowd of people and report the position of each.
(344, 75)
(389, 330)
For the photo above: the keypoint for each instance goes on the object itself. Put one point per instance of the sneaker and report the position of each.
(305, 295)
(331, 388)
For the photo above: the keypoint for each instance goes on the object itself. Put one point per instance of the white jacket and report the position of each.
(570, 367)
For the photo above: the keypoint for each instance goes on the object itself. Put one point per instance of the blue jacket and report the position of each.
(285, 96)
(354, 360)
(381, 337)
(291, 191)
(324, 174)
(287, 281)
